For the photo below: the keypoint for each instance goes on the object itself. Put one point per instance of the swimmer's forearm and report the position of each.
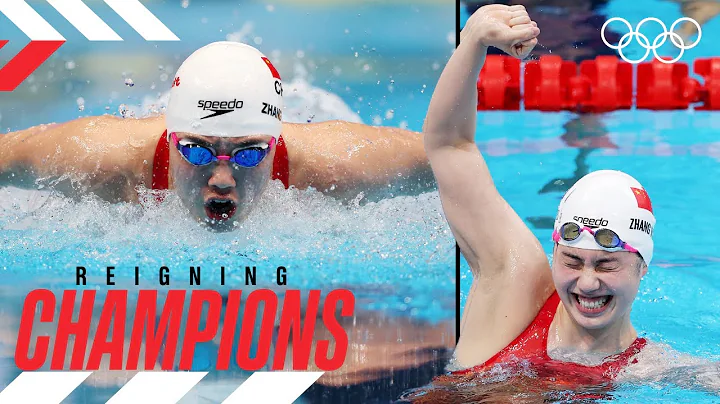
(452, 112)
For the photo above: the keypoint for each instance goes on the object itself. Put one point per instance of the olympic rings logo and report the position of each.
(645, 43)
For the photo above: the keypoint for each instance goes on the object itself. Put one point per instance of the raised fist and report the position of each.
(508, 28)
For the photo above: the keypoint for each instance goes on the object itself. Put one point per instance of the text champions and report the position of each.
(160, 337)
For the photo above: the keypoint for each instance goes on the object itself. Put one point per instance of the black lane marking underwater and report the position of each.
(458, 309)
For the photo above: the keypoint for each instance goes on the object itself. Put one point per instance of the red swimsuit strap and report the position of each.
(161, 164)
(281, 163)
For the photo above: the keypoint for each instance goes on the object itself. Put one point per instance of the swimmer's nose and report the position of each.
(588, 283)
(222, 178)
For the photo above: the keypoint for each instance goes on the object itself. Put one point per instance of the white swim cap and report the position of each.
(226, 89)
(611, 200)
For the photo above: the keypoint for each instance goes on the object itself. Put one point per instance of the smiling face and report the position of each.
(221, 193)
(597, 287)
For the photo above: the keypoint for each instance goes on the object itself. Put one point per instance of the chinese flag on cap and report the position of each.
(273, 70)
(643, 199)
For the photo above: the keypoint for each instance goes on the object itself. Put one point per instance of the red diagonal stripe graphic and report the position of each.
(26, 62)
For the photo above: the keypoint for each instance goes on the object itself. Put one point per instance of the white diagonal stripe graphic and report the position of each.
(142, 20)
(29, 21)
(273, 387)
(87, 22)
(42, 387)
(157, 387)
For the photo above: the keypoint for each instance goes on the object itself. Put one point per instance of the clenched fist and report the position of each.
(508, 28)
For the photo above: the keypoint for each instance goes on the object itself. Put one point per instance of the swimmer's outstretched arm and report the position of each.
(661, 364)
(343, 159)
(103, 155)
(511, 271)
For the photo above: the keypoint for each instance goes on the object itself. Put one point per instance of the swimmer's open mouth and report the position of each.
(591, 305)
(220, 209)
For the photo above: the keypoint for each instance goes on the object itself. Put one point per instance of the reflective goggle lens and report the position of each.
(196, 154)
(570, 231)
(607, 238)
(250, 157)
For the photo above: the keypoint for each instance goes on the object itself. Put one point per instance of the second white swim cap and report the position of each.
(226, 89)
(612, 200)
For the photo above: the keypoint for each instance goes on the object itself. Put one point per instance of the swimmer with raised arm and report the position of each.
(220, 142)
(572, 316)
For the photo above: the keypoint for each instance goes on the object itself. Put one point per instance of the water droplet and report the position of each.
(356, 54)
(347, 31)
(270, 8)
(204, 20)
(163, 77)
(389, 114)
(366, 67)
(185, 3)
(257, 40)
(129, 82)
(436, 66)
(122, 109)
(70, 64)
(81, 104)
(377, 120)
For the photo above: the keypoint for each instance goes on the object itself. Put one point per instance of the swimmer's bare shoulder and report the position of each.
(340, 157)
(103, 155)
(512, 276)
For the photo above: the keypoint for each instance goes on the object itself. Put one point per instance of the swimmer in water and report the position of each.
(571, 316)
(220, 142)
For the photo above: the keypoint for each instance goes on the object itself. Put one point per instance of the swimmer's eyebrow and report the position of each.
(197, 140)
(573, 256)
(606, 260)
(602, 260)
(241, 143)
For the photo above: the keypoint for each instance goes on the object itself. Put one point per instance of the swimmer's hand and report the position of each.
(508, 28)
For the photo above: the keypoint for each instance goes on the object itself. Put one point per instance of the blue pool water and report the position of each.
(375, 64)
(676, 156)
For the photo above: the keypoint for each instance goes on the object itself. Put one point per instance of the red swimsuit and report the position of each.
(161, 163)
(531, 346)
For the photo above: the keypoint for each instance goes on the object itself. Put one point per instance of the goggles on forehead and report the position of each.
(606, 238)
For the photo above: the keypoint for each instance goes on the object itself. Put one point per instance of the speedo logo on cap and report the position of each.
(219, 107)
(591, 222)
